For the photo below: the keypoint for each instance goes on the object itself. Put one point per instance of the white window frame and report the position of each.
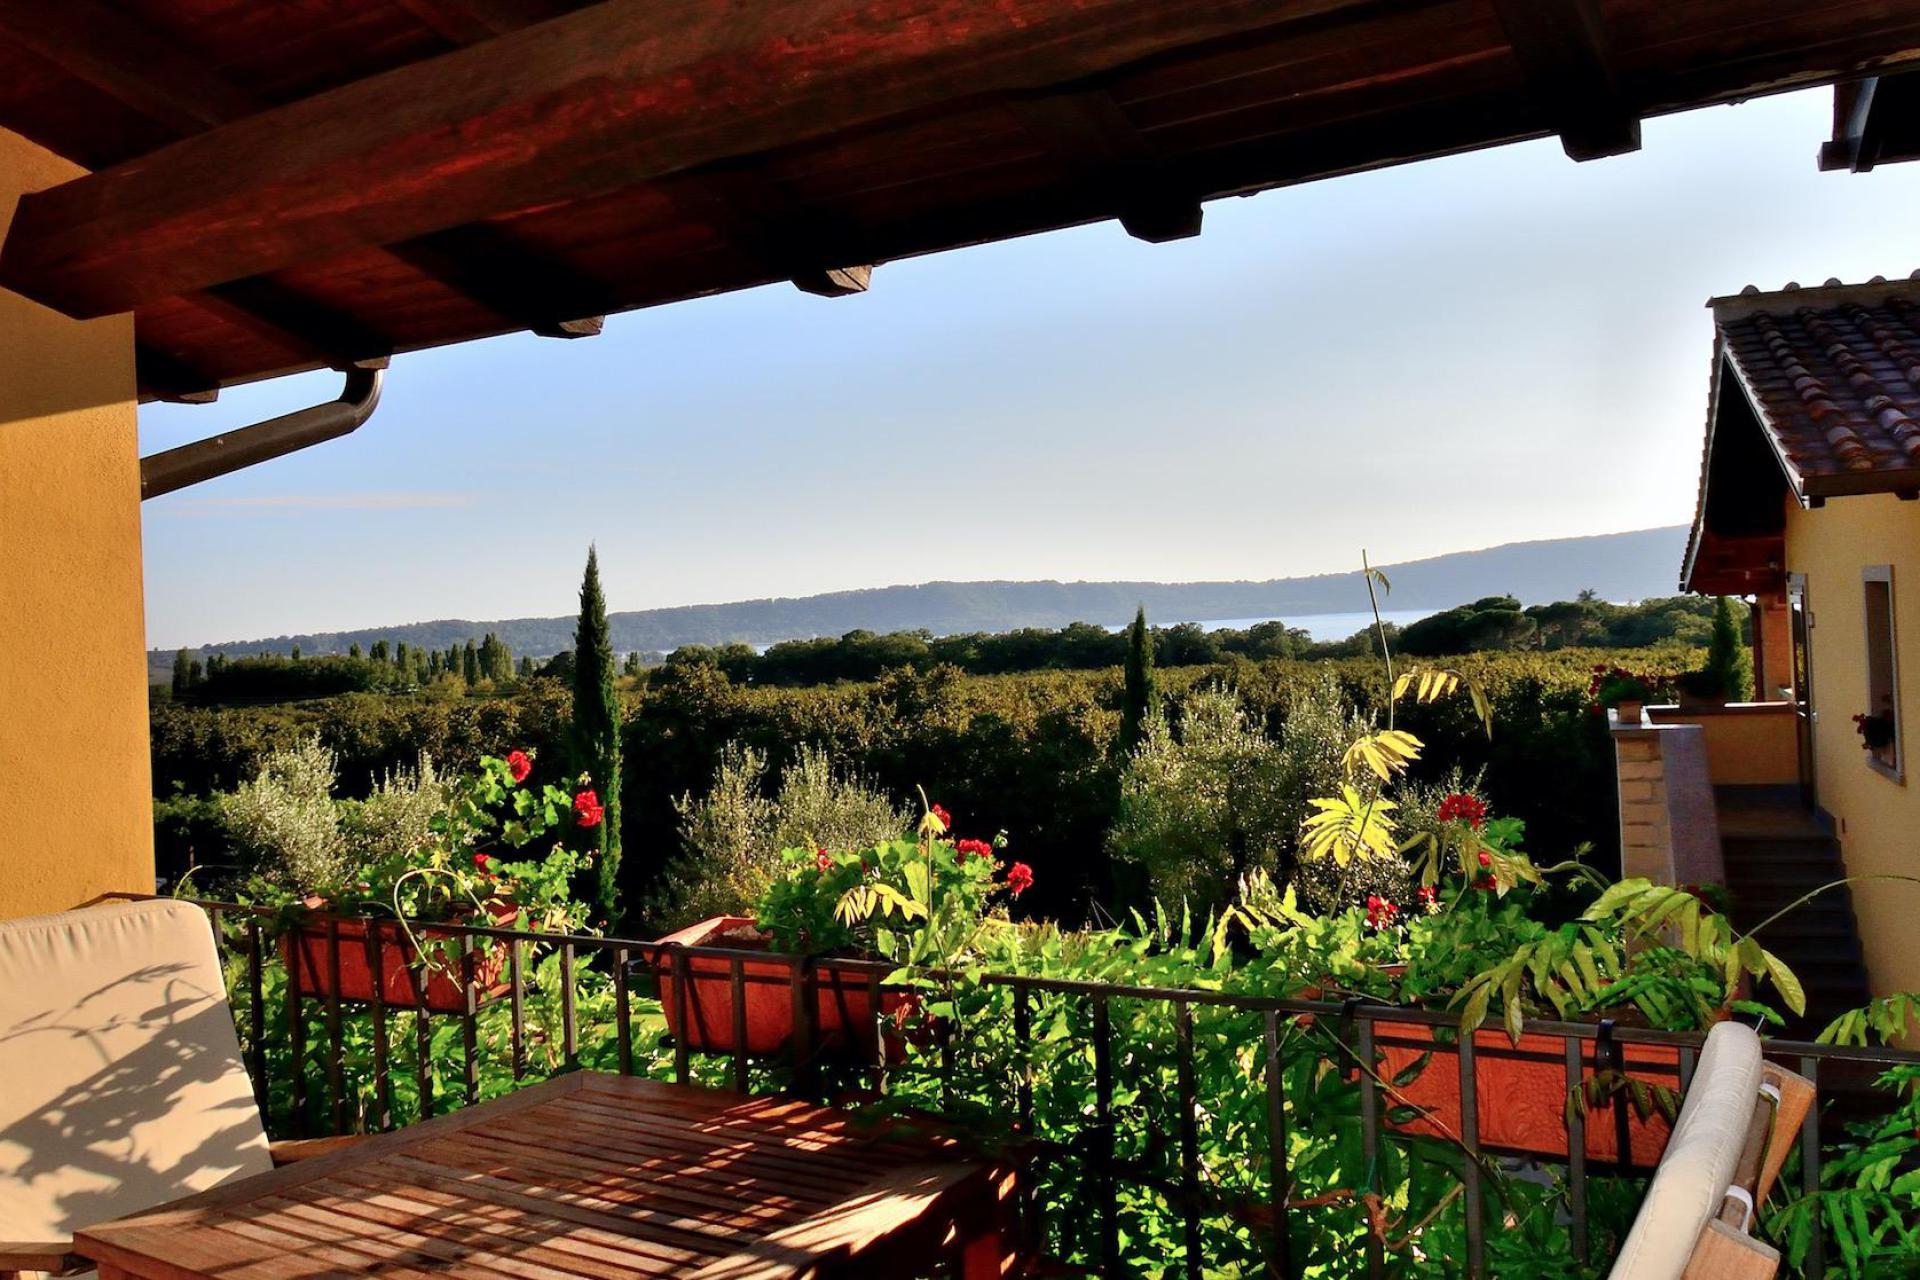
(1882, 574)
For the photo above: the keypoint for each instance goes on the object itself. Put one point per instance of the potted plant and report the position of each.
(1638, 955)
(1876, 730)
(834, 923)
(1474, 940)
(1624, 691)
(1701, 689)
(381, 914)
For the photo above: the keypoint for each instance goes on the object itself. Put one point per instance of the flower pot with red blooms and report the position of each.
(844, 1023)
(914, 905)
(495, 855)
(417, 968)
(1472, 945)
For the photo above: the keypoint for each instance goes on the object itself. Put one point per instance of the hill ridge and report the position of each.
(1619, 566)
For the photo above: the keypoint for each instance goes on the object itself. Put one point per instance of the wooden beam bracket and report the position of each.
(1089, 132)
(1561, 46)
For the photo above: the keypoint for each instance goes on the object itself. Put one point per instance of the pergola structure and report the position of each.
(283, 186)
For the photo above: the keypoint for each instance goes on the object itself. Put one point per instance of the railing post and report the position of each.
(623, 1037)
(257, 1016)
(1470, 1139)
(336, 1089)
(377, 1008)
(1282, 1261)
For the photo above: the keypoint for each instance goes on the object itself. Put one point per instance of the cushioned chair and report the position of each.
(1735, 1128)
(121, 1084)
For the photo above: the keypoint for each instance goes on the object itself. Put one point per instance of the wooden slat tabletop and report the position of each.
(588, 1177)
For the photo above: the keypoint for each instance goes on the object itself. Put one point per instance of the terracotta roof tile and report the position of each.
(1833, 374)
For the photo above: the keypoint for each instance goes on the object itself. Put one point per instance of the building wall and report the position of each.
(76, 809)
(1877, 817)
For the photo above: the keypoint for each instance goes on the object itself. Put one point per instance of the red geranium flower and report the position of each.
(587, 809)
(1019, 878)
(481, 860)
(1461, 807)
(946, 819)
(1486, 859)
(823, 860)
(519, 765)
(978, 848)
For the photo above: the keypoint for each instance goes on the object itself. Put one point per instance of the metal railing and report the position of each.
(499, 987)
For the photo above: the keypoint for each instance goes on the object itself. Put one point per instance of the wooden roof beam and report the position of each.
(495, 271)
(1088, 130)
(294, 320)
(153, 75)
(163, 377)
(1875, 121)
(120, 55)
(756, 213)
(1561, 46)
(467, 22)
(596, 101)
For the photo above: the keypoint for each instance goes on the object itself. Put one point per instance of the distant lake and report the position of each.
(1324, 626)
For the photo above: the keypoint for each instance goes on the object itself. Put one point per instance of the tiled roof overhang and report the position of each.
(1815, 395)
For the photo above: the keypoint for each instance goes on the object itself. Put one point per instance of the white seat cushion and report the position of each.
(121, 1085)
(1699, 1161)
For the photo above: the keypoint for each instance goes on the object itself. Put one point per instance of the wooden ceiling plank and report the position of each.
(163, 377)
(467, 22)
(290, 317)
(155, 75)
(759, 216)
(129, 61)
(1562, 49)
(1090, 132)
(607, 97)
(498, 273)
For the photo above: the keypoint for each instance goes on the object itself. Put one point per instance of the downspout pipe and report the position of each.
(273, 438)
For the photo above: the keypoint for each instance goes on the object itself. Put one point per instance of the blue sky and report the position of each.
(1482, 349)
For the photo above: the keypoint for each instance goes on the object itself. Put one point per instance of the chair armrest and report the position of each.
(1796, 1099)
(294, 1150)
(55, 1258)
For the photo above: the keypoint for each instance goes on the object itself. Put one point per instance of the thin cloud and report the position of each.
(269, 504)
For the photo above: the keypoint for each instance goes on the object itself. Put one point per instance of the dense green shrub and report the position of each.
(1030, 754)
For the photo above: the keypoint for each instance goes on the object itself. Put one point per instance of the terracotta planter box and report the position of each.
(1521, 1092)
(306, 946)
(843, 1012)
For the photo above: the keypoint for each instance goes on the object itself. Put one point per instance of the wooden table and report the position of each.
(590, 1177)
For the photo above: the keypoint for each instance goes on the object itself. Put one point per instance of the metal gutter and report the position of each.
(273, 438)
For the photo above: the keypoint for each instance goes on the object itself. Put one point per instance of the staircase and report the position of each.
(1774, 852)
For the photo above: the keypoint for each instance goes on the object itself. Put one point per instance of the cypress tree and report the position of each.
(400, 658)
(180, 661)
(1141, 696)
(295, 654)
(353, 650)
(470, 663)
(595, 739)
(1727, 658)
(526, 666)
(196, 674)
(632, 665)
(379, 651)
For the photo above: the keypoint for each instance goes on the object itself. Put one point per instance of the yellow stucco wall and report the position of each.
(1878, 817)
(1748, 744)
(76, 809)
